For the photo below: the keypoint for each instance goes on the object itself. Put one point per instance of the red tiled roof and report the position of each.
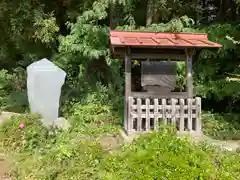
(152, 39)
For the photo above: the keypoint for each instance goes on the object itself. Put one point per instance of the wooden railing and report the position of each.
(146, 114)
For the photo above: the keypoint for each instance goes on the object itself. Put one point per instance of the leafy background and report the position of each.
(75, 36)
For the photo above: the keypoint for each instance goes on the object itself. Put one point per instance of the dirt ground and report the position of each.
(4, 168)
(111, 143)
(4, 160)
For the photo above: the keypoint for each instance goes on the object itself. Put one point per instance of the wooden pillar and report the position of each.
(189, 76)
(128, 89)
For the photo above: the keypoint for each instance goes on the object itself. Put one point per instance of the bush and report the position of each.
(13, 94)
(67, 155)
(94, 119)
(163, 156)
(223, 127)
(86, 95)
(95, 113)
(30, 136)
(39, 155)
(68, 160)
(6, 84)
(159, 155)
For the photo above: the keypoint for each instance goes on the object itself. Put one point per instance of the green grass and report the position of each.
(163, 156)
(78, 154)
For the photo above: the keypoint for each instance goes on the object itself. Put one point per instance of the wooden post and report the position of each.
(156, 120)
(129, 110)
(139, 117)
(173, 103)
(198, 114)
(164, 114)
(189, 76)
(128, 89)
(189, 105)
(181, 123)
(147, 123)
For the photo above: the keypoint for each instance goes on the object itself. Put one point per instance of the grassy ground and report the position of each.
(38, 153)
(93, 149)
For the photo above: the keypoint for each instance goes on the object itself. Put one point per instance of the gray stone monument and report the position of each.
(44, 83)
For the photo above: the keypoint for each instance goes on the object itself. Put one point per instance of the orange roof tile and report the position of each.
(154, 39)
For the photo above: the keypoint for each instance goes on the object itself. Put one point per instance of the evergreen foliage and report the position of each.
(74, 34)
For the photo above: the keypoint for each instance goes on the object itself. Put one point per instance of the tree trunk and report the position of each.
(61, 7)
(234, 10)
(150, 12)
(222, 11)
(115, 15)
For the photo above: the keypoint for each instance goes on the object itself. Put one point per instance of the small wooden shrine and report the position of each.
(145, 111)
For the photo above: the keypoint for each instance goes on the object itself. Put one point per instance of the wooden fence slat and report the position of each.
(181, 123)
(198, 115)
(139, 111)
(189, 101)
(173, 104)
(156, 116)
(164, 111)
(147, 114)
(130, 121)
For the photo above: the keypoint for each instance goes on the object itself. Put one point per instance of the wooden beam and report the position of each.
(139, 56)
(128, 88)
(189, 76)
(177, 95)
(152, 53)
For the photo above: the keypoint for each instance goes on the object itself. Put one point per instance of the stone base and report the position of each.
(60, 123)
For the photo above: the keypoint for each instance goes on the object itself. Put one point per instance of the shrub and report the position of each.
(94, 119)
(64, 161)
(92, 113)
(158, 155)
(223, 127)
(163, 156)
(6, 85)
(38, 155)
(13, 94)
(23, 133)
(96, 113)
